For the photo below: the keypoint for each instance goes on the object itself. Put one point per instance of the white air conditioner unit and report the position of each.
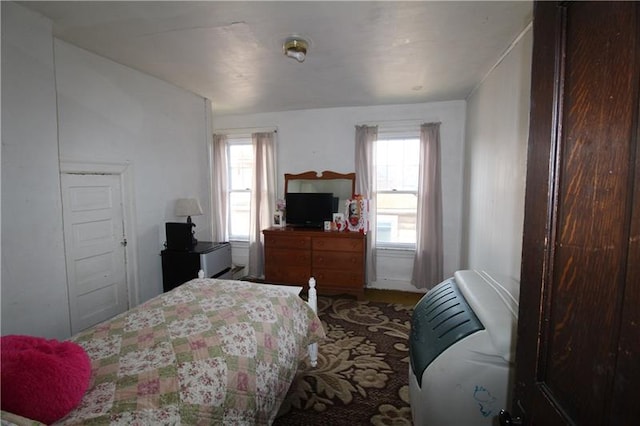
(462, 350)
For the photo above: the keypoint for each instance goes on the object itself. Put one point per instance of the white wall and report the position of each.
(323, 139)
(107, 114)
(111, 113)
(497, 134)
(34, 289)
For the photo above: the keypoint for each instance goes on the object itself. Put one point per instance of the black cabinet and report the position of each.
(180, 266)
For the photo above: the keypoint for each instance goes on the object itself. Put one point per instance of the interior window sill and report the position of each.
(396, 249)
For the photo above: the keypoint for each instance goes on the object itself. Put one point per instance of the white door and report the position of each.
(94, 247)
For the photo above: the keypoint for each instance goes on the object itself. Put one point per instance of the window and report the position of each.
(397, 166)
(240, 168)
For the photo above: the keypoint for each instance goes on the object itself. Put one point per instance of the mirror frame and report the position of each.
(326, 175)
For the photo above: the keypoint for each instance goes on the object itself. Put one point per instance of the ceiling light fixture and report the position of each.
(296, 48)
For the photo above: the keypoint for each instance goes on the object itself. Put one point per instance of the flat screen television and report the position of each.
(309, 210)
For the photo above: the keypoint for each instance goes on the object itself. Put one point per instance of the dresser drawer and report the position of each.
(355, 245)
(333, 278)
(287, 274)
(287, 258)
(287, 241)
(344, 261)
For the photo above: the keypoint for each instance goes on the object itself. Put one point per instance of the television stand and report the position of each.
(335, 259)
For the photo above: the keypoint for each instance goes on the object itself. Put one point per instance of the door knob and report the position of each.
(506, 420)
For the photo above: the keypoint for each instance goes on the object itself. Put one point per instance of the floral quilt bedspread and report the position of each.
(208, 352)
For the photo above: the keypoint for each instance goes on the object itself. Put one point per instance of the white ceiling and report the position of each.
(362, 53)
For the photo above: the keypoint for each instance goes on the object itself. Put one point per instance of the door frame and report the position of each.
(125, 172)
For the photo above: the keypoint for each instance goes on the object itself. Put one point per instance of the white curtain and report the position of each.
(262, 197)
(219, 196)
(366, 186)
(427, 264)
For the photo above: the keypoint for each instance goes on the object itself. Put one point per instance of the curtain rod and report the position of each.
(386, 123)
(245, 130)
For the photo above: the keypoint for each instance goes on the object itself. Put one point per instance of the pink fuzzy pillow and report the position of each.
(42, 379)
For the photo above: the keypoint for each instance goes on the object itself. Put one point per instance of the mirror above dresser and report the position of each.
(342, 185)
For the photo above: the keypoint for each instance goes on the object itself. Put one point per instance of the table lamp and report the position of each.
(189, 207)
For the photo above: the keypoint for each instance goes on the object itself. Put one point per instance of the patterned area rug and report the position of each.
(362, 372)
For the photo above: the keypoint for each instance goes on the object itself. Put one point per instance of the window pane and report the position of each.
(240, 162)
(397, 164)
(396, 218)
(239, 203)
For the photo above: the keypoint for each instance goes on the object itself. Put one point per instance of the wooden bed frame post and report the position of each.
(313, 303)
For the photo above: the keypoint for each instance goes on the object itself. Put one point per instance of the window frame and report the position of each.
(236, 140)
(390, 135)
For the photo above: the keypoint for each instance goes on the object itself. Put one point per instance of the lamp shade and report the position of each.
(188, 207)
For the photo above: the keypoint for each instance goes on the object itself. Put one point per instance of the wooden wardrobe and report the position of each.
(578, 355)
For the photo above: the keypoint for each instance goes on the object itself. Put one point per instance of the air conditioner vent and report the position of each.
(440, 319)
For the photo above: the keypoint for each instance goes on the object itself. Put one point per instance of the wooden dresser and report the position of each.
(335, 259)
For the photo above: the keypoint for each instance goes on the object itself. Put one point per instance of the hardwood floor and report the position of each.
(392, 296)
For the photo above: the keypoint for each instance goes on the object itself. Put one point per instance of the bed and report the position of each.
(208, 352)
